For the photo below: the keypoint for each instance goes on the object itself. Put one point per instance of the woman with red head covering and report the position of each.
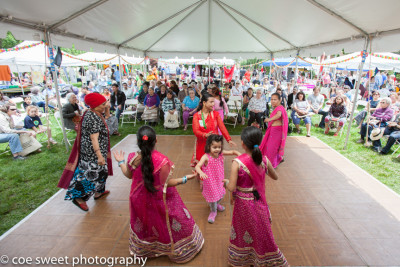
(89, 164)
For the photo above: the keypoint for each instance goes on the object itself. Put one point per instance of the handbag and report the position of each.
(171, 121)
(29, 144)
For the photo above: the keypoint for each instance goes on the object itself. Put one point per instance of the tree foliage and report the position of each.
(9, 41)
(73, 51)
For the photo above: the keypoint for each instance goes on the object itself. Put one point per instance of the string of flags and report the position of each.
(17, 48)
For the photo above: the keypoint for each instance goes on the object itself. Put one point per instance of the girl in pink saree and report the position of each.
(251, 241)
(160, 222)
(273, 143)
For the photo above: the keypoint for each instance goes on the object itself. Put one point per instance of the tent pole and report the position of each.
(53, 70)
(369, 92)
(270, 67)
(367, 41)
(19, 77)
(209, 69)
(120, 70)
(297, 67)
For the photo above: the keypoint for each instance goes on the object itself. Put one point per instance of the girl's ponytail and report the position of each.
(146, 139)
(251, 137)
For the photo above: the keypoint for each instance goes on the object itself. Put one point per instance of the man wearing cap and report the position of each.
(89, 163)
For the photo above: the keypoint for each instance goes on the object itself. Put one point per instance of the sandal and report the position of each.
(102, 194)
(83, 206)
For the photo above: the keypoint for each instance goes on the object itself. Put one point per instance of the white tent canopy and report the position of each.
(35, 56)
(193, 61)
(105, 58)
(207, 28)
(352, 61)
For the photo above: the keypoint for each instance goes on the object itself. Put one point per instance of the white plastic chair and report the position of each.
(58, 119)
(129, 103)
(232, 112)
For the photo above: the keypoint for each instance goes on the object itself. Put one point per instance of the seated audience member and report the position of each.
(393, 130)
(189, 107)
(379, 118)
(183, 93)
(106, 93)
(5, 99)
(332, 92)
(71, 112)
(316, 101)
(151, 104)
(337, 112)
(162, 92)
(283, 97)
(8, 133)
(127, 91)
(345, 99)
(300, 112)
(39, 100)
(111, 120)
(237, 90)
(346, 90)
(359, 119)
(395, 105)
(117, 100)
(171, 106)
(85, 91)
(27, 101)
(257, 107)
(51, 92)
(292, 97)
(142, 95)
(246, 100)
(33, 122)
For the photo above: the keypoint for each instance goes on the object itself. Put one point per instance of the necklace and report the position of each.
(204, 121)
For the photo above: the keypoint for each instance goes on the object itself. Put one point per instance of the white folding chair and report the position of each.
(130, 110)
(232, 112)
(58, 119)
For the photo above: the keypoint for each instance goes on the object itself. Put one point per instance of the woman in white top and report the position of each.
(300, 112)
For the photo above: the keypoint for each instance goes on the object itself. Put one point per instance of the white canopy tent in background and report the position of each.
(207, 28)
(105, 58)
(35, 56)
(351, 61)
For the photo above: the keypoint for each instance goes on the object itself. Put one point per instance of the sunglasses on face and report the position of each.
(13, 109)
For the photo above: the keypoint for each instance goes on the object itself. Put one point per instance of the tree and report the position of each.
(9, 41)
(73, 51)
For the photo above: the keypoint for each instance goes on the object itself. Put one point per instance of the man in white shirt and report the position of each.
(316, 101)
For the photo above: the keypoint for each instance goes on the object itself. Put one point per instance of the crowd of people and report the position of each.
(261, 102)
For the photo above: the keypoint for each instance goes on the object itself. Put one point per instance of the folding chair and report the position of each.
(130, 103)
(231, 112)
(58, 119)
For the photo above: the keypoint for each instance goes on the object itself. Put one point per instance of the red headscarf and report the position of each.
(94, 100)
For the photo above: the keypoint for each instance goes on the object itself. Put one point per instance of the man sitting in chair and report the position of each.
(316, 101)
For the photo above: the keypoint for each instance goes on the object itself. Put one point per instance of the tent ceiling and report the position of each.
(230, 28)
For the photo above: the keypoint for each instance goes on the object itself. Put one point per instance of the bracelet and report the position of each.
(121, 162)
(97, 150)
(184, 180)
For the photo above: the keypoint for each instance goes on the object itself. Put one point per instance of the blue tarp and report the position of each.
(286, 61)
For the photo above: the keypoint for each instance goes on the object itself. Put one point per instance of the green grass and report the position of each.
(25, 185)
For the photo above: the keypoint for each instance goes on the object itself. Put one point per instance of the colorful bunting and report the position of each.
(17, 48)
